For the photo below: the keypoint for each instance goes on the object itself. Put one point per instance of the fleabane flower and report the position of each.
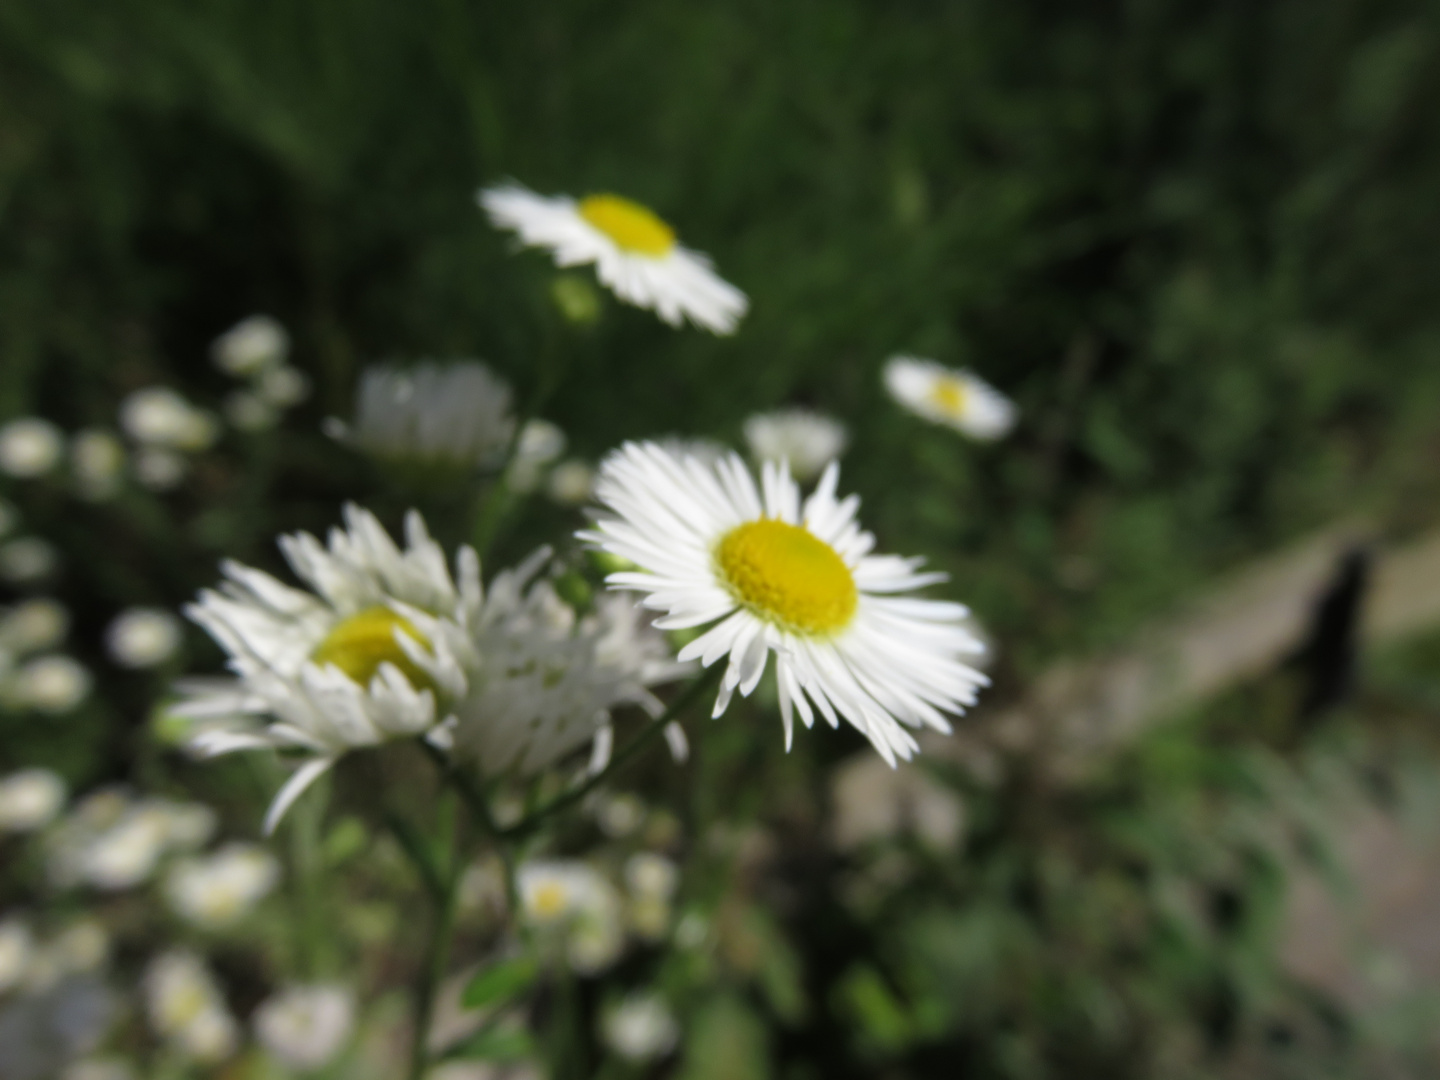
(635, 253)
(543, 681)
(367, 654)
(806, 439)
(959, 399)
(769, 574)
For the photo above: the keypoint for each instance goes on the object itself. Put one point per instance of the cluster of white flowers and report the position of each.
(32, 677)
(390, 645)
(112, 841)
(215, 891)
(306, 1027)
(165, 427)
(576, 908)
(187, 1009)
(255, 349)
(33, 965)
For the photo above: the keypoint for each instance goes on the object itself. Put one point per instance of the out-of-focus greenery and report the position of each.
(1196, 242)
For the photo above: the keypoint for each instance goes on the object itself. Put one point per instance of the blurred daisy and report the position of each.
(571, 482)
(541, 442)
(369, 655)
(112, 842)
(30, 799)
(159, 417)
(304, 1027)
(454, 413)
(142, 637)
(544, 680)
(97, 462)
(28, 559)
(159, 469)
(186, 1008)
(635, 253)
(959, 399)
(50, 684)
(640, 1028)
(215, 891)
(251, 347)
(774, 575)
(651, 881)
(17, 948)
(574, 901)
(33, 625)
(807, 440)
(29, 447)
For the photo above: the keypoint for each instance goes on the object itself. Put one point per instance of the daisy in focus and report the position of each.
(959, 399)
(369, 655)
(635, 253)
(768, 574)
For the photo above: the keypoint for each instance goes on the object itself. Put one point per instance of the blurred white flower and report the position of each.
(251, 346)
(571, 482)
(768, 573)
(52, 684)
(28, 559)
(142, 637)
(159, 417)
(33, 625)
(283, 387)
(17, 947)
(619, 815)
(372, 654)
(641, 1028)
(304, 1027)
(648, 874)
(30, 799)
(959, 399)
(112, 842)
(806, 439)
(99, 1068)
(216, 891)
(541, 442)
(30, 447)
(159, 469)
(187, 1010)
(454, 413)
(635, 253)
(544, 681)
(574, 900)
(97, 462)
(248, 411)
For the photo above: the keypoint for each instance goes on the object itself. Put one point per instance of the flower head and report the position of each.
(142, 637)
(454, 413)
(372, 653)
(159, 417)
(958, 399)
(29, 447)
(97, 461)
(304, 1027)
(187, 1009)
(216, 891)
(30, 799)
(251, 346)
(573, 901)
(635, 253)
(640, 1028)
(807, 440)
(774, 575)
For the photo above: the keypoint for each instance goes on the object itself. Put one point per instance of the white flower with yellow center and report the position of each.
(216, 891)
(959, 399)
(304, 1027)
(186, 1007)
(369, 655)
(635, 253)
(543, 681)
(774, 575)
(807, 440)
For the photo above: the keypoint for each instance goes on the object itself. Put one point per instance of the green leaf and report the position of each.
(497, 1044)
(500, 982)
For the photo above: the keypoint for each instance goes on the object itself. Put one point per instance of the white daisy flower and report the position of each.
(304, 1027)
(97, 462)
(455, 413)
(635, 253)
(159, 417)
(543, 681)
(369, 655)
(52, 684)
(640, 1028)
(33, 626)
(251, 346)
(216, 891)
(806, 439)
(29, 447)
(960, 399)
(142, 637)
(30, 799)
(17, 949)
(796, 580)
(187, 1009)
(572, 899)
(571, 482)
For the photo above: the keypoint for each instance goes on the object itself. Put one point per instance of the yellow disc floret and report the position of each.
(949, 394)
(633, 227)
(362, 642)
(785, 575)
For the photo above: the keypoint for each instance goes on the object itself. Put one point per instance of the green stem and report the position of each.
(620, 758)
(479, 805)
(437, 951)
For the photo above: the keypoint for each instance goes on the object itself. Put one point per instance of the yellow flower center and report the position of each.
(949, 394)
(362, 642)
(785, 575)
(630, 225)
(549, 900)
